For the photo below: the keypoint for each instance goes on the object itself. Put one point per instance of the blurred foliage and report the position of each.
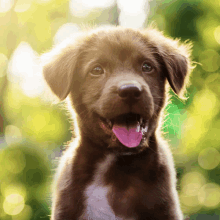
(32, 131)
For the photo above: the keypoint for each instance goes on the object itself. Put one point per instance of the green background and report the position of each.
(32, 131)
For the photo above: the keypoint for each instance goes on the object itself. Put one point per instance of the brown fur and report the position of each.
(98, 177)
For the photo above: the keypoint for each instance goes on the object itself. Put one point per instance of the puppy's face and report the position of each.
(122, 90)
(116, 80)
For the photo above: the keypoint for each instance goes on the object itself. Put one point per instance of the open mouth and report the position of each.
(129, 128)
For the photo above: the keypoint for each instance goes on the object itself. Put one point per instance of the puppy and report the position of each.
(119, 167)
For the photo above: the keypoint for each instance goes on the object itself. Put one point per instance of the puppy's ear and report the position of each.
(175, 59)
(58, 67)
(177, 70)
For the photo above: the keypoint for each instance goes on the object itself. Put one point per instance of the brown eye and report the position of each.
(97, 71)
(146, 67)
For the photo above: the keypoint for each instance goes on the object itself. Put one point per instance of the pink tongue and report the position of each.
(128, 137)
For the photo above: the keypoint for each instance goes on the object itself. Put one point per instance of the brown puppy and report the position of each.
(119, 168)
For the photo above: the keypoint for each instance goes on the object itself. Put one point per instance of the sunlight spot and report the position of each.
(25, 214)
(212, 77)
(82, 8)
(3, 64)
(209, 195)
(132, 20)
(15, 161)
(22, 5)
(98, 3)
(217, 34)
(189, 204)
(65, 31)
(5, 5)
(38, 121)
(132, 7)
(204, 108)
(191, 189)
(190, 201)
(193, 131)
(205, 104)
(13, 204)
(8, 189)
(24, 69)
(209, 158)
(133, 13)
(210, 60)
(192, 182)
(12, 135)
(15, 198)
(43, 1)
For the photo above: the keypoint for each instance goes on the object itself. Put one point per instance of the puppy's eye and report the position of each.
(97, 71)
(146, 67)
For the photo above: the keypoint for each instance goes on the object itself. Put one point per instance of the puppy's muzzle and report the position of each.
(130, 92)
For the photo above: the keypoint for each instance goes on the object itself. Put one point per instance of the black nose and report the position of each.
(130, 91)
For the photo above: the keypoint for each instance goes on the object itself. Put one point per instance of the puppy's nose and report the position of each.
(130, 91)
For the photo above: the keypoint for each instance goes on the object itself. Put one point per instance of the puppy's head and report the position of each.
(116, 80)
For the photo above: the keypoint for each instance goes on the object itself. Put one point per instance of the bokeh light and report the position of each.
(206, 104)
(210, 60)
(24, 70)
(209, 158)
(209, 195)
(13, 204)
(217, 34)
(25, 214)
(22, 5)
(3, 64)
(191, 183)
(43, 1)
(133, 13)
(65, 31)
(12, 135)
(82, 8)
(5, 5)
(14, 198)
(14, 161)
(205, 107)
(132, 20)
(8, 189)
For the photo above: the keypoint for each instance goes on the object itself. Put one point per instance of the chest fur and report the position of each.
(98, 196)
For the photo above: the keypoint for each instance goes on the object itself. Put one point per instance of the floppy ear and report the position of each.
(175, 59)
(177, 70)
(58, 68)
